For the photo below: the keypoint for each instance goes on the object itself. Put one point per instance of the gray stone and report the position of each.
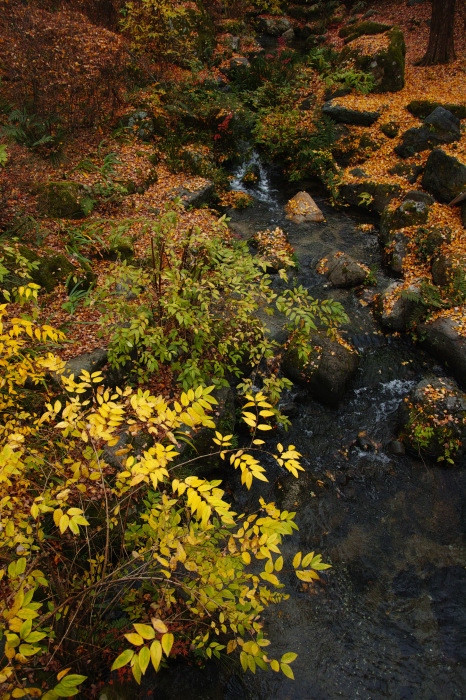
(88, 361)
(444, 176)
(443, 340)
(349, 116)
(342, 270)
(408, 213)
(419, 196)
(439, 127)
(328, 371)
(239, 62)
(398, 309)
(445, 268)
(422, 108)
(395, 253)
(197, 197)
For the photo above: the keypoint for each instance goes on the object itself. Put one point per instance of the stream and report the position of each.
(389, 621)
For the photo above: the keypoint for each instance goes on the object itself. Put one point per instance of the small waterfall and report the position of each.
(261, 190)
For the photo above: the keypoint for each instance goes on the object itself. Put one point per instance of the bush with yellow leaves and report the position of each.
(112, 554)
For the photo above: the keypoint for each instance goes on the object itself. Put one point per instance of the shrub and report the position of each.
(194, 307)
(105, 547)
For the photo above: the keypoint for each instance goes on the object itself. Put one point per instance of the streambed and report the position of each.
(390, 619)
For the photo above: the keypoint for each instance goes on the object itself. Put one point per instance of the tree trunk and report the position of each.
(441, 47)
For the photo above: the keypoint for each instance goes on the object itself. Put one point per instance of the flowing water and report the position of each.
(389, 621)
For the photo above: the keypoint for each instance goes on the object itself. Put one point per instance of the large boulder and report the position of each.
(385, 62)
(444, 340)
(48, 269)
(328, 370)
(301, 208)
(444, 176)
(439, 127)
(62, 200)
(446, 269)
(344, 271)
(369, 195)
(434, 417)
(345, 115)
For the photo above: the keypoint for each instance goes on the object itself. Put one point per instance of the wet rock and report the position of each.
(344, 271)
(62, 200)
(443, 340)
(354, 194)
(444, 176)
(301, 208)
(422, 108)
(327, 372)
(397, 309)
(447, 588)
(439, 127)
(345, 115)
(435, 419)
(407, 584)
(396, 250)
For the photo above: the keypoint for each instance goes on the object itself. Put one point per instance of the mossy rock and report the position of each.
(62, 200)
(380, 194)
(422, 108)
(444, 176)
(390, 129)
(122, 249)
(408, 213)
(387, 66)
(48, 271)
(349, 33)
(435, 420)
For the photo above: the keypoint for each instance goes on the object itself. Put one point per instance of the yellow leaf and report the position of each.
(63, 524)
(63, 673)
(167, 643)
(156, 654)
(264, 426)
(146, 631)
(297, 560)
(134, 638)
(159, 625)
(246, 557)
(144, 658)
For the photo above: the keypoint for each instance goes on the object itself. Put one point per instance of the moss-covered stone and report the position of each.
(62, 200)
(349, 33)
(387, 66)
(408, 213)
(47, 270)
(368, 195)
(444, 176)
(120, 249)
(390, 129)
(422, 108)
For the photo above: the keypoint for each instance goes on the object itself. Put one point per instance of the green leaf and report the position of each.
(121, 660)
(288, 657)
(287, 671)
